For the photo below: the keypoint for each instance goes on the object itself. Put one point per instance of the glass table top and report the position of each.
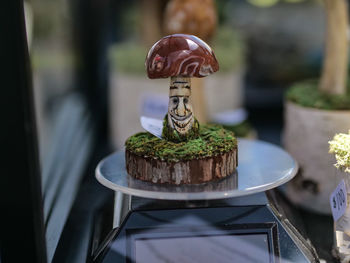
(261, 166)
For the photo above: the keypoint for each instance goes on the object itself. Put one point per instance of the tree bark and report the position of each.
(184, 172)
(151, 21)
(334, 72)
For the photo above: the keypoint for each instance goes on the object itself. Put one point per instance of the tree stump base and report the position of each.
(195, 171)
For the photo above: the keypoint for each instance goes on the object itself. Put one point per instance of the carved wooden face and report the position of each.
(180, 115)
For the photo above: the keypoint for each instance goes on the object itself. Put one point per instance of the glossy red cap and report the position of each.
(180, 55)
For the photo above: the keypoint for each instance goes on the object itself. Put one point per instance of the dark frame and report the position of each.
(22, 227)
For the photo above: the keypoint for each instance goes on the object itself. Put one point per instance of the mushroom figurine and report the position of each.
(180, 57)
(186, 153)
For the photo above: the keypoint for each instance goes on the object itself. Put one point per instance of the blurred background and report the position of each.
(262, 47)
(90, 85)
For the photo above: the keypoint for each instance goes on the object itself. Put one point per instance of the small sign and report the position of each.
(231, 117)
(338, 200)
(154, 126)
(154, 105)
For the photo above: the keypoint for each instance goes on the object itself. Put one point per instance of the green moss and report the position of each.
(340, 146)
(44, 59)
(240, 130)
(172, 135)
(213, 140)
(229, 49)
(307, 94)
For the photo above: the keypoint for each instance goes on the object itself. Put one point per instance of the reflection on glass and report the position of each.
(216, 248)
(52, 63)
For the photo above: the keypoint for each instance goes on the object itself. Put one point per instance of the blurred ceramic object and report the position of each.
(127, 96)
(195, 17)
(224, 92)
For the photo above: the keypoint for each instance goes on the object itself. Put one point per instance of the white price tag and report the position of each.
(338, 201)
(154, 126)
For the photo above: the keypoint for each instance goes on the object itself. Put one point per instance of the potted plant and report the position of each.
(340, 147)
(315, 111)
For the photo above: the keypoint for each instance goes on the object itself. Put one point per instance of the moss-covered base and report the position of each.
(195, 171)
(172, 135)
(213, 140)
(307, 94)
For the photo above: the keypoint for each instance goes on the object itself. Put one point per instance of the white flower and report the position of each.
(340, 146)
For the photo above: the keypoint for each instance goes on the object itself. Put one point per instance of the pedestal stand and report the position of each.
(226, 221)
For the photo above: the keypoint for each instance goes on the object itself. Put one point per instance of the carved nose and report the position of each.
(181, 111)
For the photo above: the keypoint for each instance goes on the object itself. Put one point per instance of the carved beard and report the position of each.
(181, 124)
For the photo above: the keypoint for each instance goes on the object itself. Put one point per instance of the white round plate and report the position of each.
(261, 166)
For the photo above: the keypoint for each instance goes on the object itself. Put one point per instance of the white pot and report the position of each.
(306, 136)
(125, 101)
(224, 91)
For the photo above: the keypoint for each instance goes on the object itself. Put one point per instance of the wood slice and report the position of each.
(194, 171)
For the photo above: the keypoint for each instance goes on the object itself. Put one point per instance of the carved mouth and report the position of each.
(181, 122)
(179, 118)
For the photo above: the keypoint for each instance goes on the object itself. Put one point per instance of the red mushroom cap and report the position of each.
(180, 55)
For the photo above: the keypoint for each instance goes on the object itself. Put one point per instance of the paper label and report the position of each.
(338, 201)
(154, 126)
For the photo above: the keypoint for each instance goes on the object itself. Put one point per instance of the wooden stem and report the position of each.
(334, 72)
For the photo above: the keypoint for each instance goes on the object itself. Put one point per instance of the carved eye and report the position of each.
(185, 100)
(175, 100)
